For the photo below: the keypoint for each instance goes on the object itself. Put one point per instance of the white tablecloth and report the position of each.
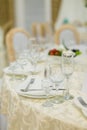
(29, 114)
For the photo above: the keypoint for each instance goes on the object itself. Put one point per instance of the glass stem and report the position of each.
(57, 87)
(47, 97)
(66, 92)
(67, 85)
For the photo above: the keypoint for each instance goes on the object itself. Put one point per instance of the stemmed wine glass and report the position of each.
(57, 78)
(46, 86)
(67, 69)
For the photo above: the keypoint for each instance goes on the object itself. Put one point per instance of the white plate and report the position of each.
(35, 94)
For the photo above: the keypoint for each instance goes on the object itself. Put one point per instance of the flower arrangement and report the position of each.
(55, 52)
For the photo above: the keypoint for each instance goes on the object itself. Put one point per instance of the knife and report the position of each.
(60, 89)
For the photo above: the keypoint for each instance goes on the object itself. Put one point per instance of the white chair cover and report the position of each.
(68, 37)
(20, 41)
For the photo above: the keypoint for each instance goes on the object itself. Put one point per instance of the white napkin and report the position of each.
(35, 85)
(35, 90)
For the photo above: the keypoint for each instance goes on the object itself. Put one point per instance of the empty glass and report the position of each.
(46, 88)
(57, 77)
(67, 69)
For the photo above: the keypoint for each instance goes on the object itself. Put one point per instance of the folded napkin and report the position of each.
(35, 85)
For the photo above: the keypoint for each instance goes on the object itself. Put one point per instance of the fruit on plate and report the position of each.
(55, 52)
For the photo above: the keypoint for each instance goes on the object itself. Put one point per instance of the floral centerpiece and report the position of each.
(58, 52)
(55, 52)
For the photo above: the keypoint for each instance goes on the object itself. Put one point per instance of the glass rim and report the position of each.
(68, 53)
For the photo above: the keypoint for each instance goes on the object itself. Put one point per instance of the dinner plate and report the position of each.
(35, 94)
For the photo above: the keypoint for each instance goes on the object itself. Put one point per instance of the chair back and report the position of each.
(16, 41)
(67, 33)
(42, 31)
(34, 29)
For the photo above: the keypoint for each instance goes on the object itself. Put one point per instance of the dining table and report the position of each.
(26, 112)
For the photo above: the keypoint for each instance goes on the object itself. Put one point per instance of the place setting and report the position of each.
(32, 88)
(34, 85)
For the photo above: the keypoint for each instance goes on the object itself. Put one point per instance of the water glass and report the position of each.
(57, 78)
(67, 69)
(46, 88)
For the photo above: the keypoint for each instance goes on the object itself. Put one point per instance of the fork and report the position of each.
(28, 85)
(82, 102)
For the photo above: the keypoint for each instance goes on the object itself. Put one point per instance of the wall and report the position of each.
(28, 11)
(48, 10)
(34, 12)
(19, 13)
(72, 10)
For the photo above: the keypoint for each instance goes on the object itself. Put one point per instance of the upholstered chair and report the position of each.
(66, 33)
(16, 40)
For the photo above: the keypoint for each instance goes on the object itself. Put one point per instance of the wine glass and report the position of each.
(12, 69)
(46, 88)
(57, 78)
(67, 69)
(17, 67)
(34, 58)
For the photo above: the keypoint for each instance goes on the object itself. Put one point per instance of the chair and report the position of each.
(34, 29)
(38, 30)
(16, 40)
(66, 33)
(42, 31)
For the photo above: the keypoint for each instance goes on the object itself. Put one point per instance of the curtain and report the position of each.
(56, 4)
(6, 11)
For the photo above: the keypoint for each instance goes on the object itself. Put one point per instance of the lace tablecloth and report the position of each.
(29, 114)
(25, 113)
